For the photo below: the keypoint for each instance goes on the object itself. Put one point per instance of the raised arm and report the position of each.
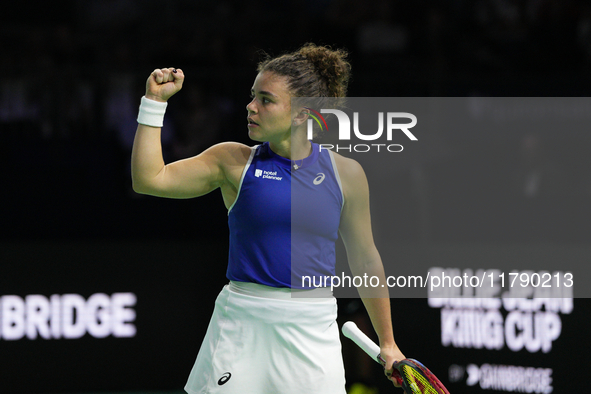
(363, 256)
(186, 178)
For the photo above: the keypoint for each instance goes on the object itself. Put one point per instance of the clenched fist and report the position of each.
(163, 83)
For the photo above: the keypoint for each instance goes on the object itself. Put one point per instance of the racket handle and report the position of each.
(351, 331)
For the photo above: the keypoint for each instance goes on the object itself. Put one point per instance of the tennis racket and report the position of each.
(413, 376)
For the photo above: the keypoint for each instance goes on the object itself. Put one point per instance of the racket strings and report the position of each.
(416, 382)
(440, 388)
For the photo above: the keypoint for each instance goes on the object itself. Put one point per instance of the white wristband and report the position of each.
(151, 112)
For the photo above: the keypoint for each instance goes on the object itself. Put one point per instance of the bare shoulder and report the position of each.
(353, 179)
(231, 158)
(230, 153)
(350, 171)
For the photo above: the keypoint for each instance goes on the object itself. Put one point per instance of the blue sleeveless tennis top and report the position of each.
(284, 222)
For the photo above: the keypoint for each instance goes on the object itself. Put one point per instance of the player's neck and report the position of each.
(292, 149)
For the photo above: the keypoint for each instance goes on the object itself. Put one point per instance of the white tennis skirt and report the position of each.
(260, 340)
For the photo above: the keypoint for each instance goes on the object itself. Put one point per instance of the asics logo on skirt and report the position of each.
(224, 379)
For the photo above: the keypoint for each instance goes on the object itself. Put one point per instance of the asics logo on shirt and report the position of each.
(264, 174)
(318, 180)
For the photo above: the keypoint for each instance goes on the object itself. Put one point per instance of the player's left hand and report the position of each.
(391, 354)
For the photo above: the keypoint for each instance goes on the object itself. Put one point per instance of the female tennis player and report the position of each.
(261, 339)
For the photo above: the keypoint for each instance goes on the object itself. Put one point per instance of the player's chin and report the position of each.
(255, 135)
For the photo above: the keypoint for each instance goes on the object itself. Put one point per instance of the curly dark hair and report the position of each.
(312, 71)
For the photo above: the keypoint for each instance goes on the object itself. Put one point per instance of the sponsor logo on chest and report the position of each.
(264, 174)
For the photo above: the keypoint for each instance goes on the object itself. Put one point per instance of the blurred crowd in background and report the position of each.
(73, 73)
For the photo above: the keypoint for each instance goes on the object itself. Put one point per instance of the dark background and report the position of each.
(72, 76)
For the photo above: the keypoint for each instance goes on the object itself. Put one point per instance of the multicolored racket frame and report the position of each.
(415, 378)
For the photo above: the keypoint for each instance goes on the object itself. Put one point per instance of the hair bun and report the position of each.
(312, 71)
(331, 65)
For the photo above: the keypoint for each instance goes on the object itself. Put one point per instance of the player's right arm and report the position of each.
(186, 178)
